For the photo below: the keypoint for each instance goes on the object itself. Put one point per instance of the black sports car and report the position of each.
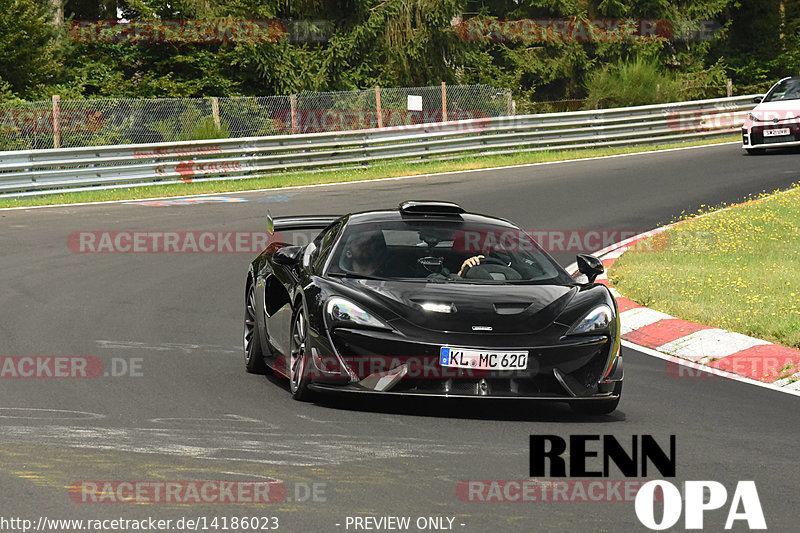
(430, 300)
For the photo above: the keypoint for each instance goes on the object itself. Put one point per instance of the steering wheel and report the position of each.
(484, 261)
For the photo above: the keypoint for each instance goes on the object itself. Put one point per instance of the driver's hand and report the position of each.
(471, 262)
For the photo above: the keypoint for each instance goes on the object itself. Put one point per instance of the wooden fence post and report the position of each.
(378, 105)
(293, 105)
(215, 111)
(56, 121)
(444, 103)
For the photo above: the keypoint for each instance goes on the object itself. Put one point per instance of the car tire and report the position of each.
(598, 407)
(299, 379)
(251, 339)
(756, 151)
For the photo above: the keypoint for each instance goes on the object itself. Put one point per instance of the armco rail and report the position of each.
(50, 170)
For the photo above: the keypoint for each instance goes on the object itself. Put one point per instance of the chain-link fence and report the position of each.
(697, 92)
(68, 123)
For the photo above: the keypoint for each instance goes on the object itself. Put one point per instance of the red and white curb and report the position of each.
(695, 346)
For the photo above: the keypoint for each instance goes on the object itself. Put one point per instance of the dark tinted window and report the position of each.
(323, 244)
(788, 89)
(436, 250)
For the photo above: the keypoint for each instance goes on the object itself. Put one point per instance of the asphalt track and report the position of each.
(191, 413)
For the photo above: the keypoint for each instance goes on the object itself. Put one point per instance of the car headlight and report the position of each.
(597, 320)
(341, 310)
(752, 117)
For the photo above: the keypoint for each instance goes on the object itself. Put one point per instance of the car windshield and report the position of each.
(788, 89)
(436, 252)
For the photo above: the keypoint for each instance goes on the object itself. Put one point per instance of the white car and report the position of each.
(775, 121)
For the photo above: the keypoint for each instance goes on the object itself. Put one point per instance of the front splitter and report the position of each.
(350, 389)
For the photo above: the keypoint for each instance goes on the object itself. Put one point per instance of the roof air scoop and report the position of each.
(428, 207)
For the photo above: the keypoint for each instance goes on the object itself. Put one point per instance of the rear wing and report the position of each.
(299, 222)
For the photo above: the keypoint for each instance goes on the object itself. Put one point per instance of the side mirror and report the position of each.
(758, 99)
(590, 266)
(288, 255)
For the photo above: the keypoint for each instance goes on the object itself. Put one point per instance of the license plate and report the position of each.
(483, 359)
(775, 133)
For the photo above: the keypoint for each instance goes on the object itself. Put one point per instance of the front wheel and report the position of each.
(298, 359)
(253, 354)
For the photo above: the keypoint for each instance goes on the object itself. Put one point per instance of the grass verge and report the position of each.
(385, 170)
(737, 269)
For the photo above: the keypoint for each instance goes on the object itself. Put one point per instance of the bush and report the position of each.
(190, 125)
(629, 83)
(206, 129)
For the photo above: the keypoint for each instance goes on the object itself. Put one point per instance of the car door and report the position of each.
(282, 288)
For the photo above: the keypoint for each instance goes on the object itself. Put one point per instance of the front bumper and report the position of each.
(753, 136)
(609, 389)
(566, 370)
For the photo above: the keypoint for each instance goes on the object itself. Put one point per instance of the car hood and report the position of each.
(782, 110)
(475, 308)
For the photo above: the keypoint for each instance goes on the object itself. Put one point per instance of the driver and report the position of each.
(495, 268)
(469, 263)
(365, 253)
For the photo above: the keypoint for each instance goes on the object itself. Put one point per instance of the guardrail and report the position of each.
(40, 171)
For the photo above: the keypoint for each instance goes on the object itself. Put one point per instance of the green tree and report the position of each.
(397, 43)
(29, 48)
